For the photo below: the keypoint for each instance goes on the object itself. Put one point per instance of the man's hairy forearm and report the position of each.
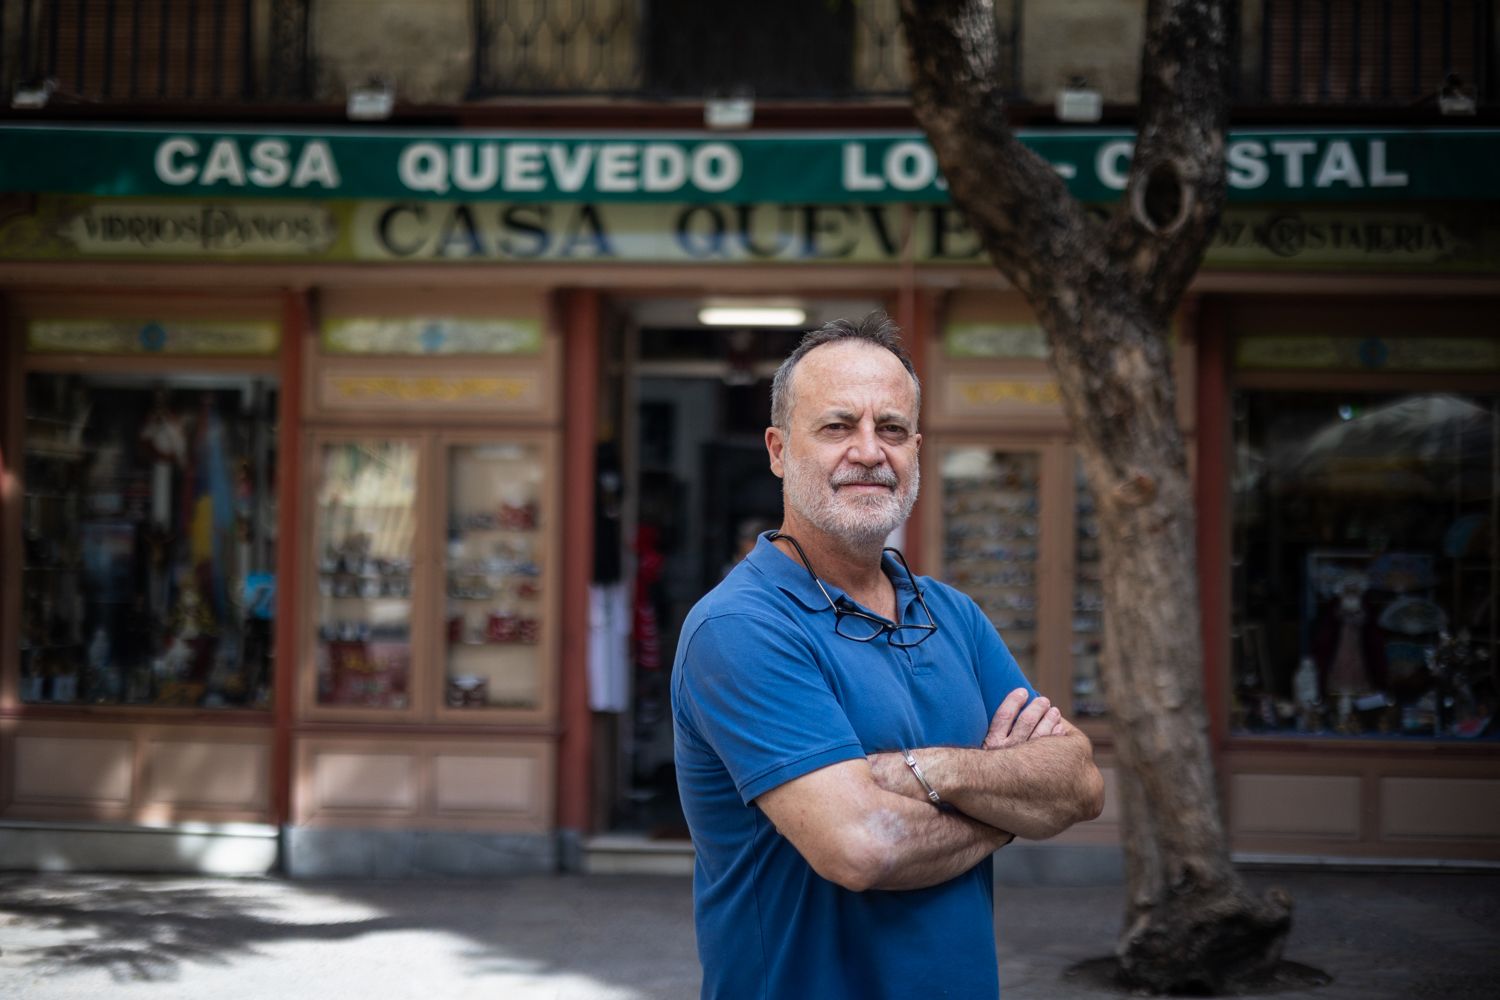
(1035, 789)
(925, 846)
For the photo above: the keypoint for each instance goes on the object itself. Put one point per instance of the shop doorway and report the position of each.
(686, 409)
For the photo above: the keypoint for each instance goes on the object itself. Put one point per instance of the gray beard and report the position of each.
(861, 521)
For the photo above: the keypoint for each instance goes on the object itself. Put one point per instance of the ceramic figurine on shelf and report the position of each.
(183, 656)
(1350, 672)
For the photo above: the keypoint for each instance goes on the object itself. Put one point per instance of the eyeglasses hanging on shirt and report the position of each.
(861, 626)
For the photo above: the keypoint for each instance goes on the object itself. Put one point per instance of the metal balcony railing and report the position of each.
(222, 53)
(142, 52)
(1372, 52)
(662, 49)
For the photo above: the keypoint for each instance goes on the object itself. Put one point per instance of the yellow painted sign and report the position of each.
(428, 389)
(1401, 354)
(75, 336)
(375, 335)
(990, 392)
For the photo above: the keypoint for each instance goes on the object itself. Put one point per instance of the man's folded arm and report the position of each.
(861, 836)
(1034, 775)
(1036, 789)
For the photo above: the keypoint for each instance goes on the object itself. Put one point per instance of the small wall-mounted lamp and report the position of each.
(1455, 98)
(729, 111)
(372, 102)
(1077, 102)
(34, 95)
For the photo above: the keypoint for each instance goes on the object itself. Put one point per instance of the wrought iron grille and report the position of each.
(779, 49)
(1374, 51)
(146, 51)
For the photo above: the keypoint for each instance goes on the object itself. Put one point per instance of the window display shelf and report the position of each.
(365, 525)
(495, 568)
(422, 615)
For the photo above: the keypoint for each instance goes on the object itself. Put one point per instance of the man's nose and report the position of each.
(865, 447)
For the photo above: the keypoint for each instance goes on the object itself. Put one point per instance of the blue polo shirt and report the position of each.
(764, 691)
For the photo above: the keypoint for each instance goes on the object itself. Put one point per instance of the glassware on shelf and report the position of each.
(365, 526)
(496, 579)
(991, 529)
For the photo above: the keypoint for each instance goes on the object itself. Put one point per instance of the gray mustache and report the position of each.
(876, 477)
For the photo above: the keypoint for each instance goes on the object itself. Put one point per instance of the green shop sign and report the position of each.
(702, 167)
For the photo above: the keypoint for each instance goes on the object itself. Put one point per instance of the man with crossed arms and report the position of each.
(854, 742)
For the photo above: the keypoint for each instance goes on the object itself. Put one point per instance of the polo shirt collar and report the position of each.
(791, 577)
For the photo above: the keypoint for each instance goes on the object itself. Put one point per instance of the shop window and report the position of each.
(149, 540)
(496, 575)
(991, 528)
(365, 525)
(1365, 573)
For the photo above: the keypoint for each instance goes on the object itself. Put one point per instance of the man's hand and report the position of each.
(1015, 722)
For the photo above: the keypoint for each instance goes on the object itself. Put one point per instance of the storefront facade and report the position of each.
(307, 521)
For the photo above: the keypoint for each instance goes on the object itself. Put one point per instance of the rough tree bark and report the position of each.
(1105, 288)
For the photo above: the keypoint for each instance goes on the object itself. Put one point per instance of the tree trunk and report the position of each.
(1105, 290)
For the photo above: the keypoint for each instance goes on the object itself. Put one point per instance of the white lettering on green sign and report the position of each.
(1295, 163)
(271, 164)
(525, 166)
(906, 166)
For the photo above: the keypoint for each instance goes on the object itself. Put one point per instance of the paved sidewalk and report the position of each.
(630, 938)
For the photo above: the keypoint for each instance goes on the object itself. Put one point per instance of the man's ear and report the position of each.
(775, 443)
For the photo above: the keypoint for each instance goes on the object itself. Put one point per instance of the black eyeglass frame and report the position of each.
(883, 627)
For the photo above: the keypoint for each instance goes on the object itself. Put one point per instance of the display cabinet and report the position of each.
(991, 528)
(1017, 532)
(430, 562)
(365, 516)
(498, 568)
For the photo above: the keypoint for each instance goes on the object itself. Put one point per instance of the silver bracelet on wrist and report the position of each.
(916, 769)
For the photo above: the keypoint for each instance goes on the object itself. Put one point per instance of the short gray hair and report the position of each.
(877, 329)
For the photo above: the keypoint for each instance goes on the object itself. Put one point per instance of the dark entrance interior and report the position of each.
(684, 488)
(691, 406)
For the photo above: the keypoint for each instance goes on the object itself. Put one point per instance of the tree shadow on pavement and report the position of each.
(144, 929)
(615, 938)
(624, 933)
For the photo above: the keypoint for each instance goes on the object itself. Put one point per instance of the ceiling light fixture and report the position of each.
(751, 315)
